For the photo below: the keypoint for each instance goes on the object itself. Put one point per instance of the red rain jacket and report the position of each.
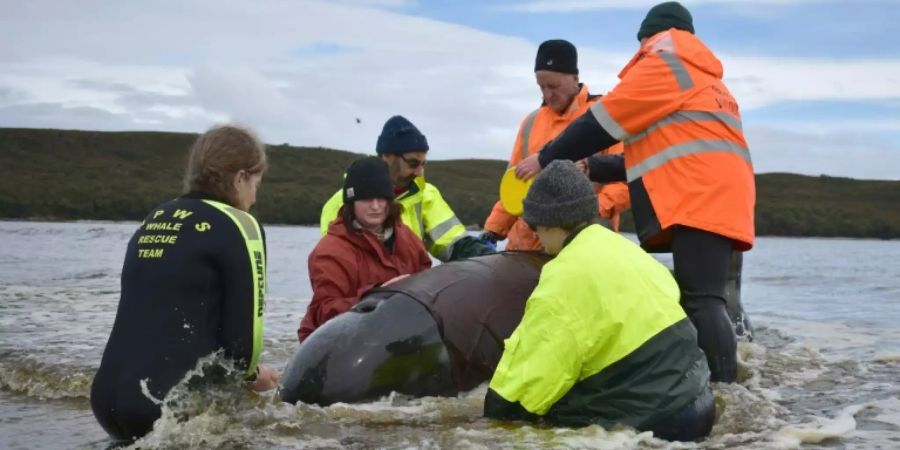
(345, 265)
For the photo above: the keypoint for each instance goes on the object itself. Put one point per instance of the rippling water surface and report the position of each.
(823, 372)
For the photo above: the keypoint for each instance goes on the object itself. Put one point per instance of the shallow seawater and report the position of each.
(822, 372)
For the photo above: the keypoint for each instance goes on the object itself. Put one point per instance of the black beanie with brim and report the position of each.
(368, 178)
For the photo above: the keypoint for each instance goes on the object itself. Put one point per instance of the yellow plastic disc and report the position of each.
(512, 192)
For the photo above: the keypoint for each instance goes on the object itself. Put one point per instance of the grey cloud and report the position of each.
(9, 94)
(102, 86)
(379, 3)
(147, 100)
(836, 154)
(57, 115)
(131, 96)
(240, 91)
(466, 89)
(749, 7)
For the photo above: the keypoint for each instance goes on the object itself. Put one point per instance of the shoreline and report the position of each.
(468, 228)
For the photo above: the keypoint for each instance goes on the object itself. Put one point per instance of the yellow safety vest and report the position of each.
(256, 251)
(425, 212)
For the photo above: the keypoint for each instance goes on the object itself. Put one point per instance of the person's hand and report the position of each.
(584, 167)
(266, 379)
(489, 237)
(528, 168)
(395, 279)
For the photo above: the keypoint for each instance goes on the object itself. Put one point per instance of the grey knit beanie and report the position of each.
(561, 196)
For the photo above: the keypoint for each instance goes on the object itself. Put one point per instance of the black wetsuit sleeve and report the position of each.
(241, 315)
(582, 138)
(607, 168)
(497, 407)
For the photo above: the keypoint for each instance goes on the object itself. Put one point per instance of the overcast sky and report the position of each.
(818, 81)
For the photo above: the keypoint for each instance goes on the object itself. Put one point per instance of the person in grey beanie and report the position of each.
(560, 202)
(688, 167)
(603, 339)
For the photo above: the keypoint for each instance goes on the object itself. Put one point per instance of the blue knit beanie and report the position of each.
(400, 136)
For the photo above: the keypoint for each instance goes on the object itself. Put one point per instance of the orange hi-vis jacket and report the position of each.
(686, 159)
(537, 129)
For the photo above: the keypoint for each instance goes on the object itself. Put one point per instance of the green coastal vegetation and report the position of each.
(93, 175)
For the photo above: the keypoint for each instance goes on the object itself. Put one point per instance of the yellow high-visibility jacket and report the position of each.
(603, 341)
(424, 211)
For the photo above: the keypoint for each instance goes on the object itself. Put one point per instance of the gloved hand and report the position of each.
(489, 237)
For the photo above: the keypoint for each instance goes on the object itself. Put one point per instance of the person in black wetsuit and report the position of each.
(193, 283)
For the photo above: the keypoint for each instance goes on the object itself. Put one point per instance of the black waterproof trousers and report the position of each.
(692, 423)
(702, 260)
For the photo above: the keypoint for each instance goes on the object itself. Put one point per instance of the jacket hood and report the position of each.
(689, 49)
(363, 240)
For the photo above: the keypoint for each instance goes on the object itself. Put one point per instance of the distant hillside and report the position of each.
(64, 175)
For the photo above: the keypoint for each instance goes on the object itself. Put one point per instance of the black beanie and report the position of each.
(400, 136)
(664, 16)
(367, 178)
(557, 55)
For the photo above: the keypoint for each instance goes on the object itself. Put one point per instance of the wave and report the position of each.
(45, 381)
(788, 395)
(32, 231)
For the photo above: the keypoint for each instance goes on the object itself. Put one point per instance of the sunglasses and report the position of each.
(413, 162)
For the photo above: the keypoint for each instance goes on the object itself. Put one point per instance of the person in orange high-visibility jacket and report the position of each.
(564, 100)
(686, 162)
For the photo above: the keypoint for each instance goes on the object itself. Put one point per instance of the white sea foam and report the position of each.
(807, 358)
(819, 430)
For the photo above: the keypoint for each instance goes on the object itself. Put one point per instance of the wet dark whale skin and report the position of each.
(439, 332)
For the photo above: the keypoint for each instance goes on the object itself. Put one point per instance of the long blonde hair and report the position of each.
(218, 155)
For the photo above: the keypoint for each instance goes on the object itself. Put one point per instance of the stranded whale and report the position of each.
(438, 332)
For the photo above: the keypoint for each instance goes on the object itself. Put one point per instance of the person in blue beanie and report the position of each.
(405, 149)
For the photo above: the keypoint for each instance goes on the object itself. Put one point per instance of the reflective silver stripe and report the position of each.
(419, 218)
(681, 74)
(688, 116)
(246, 222)
(684, 149)
(526, 132)
(442, 228)
(606, 121)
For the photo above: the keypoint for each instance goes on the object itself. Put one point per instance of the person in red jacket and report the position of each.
(365, 247)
